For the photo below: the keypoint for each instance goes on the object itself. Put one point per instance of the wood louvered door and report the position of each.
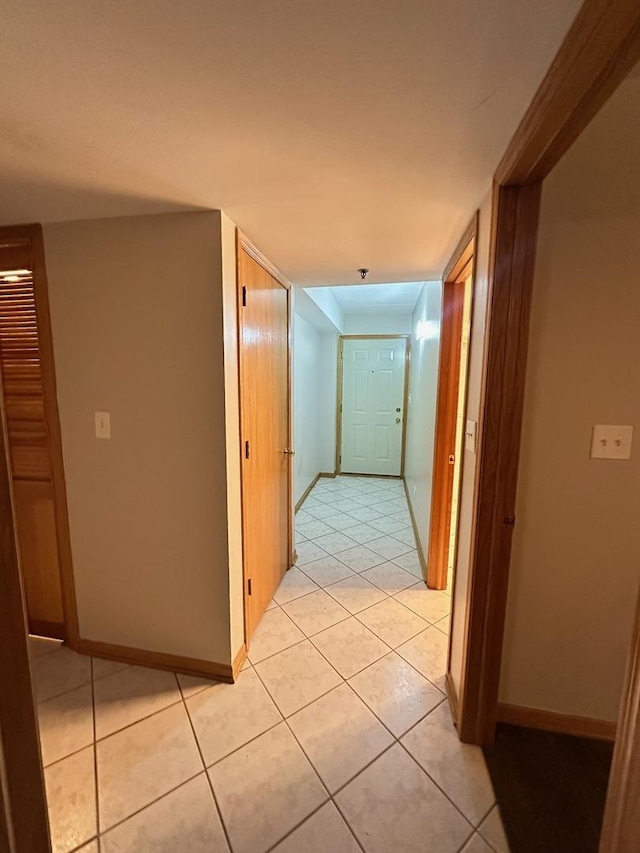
(28, 386)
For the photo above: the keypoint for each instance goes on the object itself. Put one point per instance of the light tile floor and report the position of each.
(336, 737)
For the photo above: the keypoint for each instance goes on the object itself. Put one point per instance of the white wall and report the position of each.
(470, 461)
(421, 415)
(137, 318)
(575, 564)
(314, 391)
(377, 324)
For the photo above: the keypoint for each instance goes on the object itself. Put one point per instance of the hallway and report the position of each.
(336, 737)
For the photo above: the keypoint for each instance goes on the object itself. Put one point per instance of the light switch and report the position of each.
(611, 442)
(103, 425)
(470, 432)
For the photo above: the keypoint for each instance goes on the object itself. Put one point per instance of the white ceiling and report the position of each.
(336, 133)
(366, 298)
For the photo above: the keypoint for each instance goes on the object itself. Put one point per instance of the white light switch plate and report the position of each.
(611, 442)
(470, 432)
(103, 425)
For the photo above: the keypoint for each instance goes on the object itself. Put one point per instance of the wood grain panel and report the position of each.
(445, 434)
(263, 313)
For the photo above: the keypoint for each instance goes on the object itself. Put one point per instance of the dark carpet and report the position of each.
(550, 788)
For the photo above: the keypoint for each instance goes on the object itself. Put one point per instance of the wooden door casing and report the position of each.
(263, 319)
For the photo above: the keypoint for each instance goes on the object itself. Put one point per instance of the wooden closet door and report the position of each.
(264, 403)
(28, 388)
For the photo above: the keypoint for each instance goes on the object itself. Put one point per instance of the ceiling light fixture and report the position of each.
(363, 273)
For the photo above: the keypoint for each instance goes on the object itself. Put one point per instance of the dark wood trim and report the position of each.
(330, 475)
(600, 49)
(307, 491)
(517, 210)
(42, 628)
(158, 660)
(621, 826)
(550, 721)
(414, 525)
(456, 270)
(23, 817)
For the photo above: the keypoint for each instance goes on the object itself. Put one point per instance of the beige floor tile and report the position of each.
(365, 513)
(315, 612)
(458, 768)
(313, 529)
(184, 820)
(350, 646)
(130, 695)
(271, 605)
(392, 622)
(309, 551)
(192, 684)
(335, 542)
(444, 624)
(71, 799)
(394, 806)
(410, 562)
(340, 735)
(265, 789)
(356, 593)
(326, 571)
(43, 645)
(297, 676)
(431, 604)
(226, 716)
(59, 671)
(388, 547)
(392, 527)
(389, 578)
(324, 832)
(341, 521)
(492, 830)
(303, 515)
(396, 693)
(476, 844)
(406, 534)
(294, 584)
(91, 847)
(141, 763)
(102, 668)
(363, 533)
(299, 538)
(360, 558)
(66, 724)
(275, 633)
(427, 652)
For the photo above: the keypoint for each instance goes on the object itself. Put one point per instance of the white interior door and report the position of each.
(372, 405)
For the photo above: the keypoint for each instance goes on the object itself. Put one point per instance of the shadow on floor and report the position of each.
(550, 788)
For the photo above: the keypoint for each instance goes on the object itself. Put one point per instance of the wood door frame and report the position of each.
(461, 266)
(244, 244)
(340, 380)
(24, 822)
(30, 238)
(600, 49)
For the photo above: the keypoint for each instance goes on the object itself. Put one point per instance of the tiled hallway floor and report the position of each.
(336, 737)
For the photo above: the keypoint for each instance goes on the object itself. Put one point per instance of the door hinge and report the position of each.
(244, 295)
(247, 450)
(249, 592)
